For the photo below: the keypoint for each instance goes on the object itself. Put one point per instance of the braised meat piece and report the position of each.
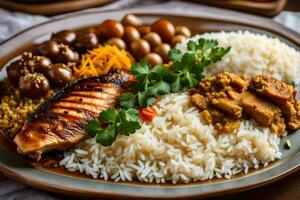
(200, 101)
(291, 112)
(276, 91)
(228, 105)
(261, 110)
(226, 98)
(283, 95)
(224, 82)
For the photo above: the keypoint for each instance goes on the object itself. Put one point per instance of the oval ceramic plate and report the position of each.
(17, 167)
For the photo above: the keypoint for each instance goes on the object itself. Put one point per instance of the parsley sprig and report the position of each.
(185, 72)
(111, 123)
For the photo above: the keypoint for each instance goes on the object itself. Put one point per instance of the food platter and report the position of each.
(18, 168)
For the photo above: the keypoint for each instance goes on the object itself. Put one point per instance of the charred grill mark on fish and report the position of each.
(59, 122)
(79, 85)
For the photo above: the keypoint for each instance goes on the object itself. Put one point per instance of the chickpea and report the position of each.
(177, 39)
(153, 39)
(131, 20)
(163, 51)
(153, 59)
(139, 48)
(111, 28)
(183, 30)
(118, 42)
(164, 28)
(144, 30)
(131, 34)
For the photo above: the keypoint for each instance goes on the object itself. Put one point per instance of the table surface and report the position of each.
(286, 189)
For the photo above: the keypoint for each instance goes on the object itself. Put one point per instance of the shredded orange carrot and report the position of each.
(100, 60)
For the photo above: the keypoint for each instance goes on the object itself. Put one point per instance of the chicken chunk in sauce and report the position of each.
(226, 98)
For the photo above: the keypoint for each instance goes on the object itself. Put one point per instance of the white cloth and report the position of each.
(13, 22)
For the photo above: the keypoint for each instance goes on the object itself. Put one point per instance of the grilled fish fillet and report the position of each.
(59, 122)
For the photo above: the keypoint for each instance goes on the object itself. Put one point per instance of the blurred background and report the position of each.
(17, 15)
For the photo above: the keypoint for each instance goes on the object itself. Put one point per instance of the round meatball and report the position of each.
(86, 42)
(49, 49)
(14, 71)
(60, 74)
(66, 37)
(34, 85)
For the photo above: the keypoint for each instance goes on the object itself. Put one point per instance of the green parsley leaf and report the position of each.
(140, 70)
(119, 122)
(145, 98)
(162, 87)
(176, 85)
(128, 100)
(131, 114)
(92, 128)
(107, 136)
(175, 55)
(109, 115)
(164, 73)
(128, 122)
(217, 54)
(204, 44)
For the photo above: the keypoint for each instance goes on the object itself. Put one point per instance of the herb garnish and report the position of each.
(185, 72)
(112, 123)
(288, 144)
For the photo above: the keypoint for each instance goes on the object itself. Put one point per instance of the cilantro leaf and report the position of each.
(107, 136)
(164, 73)
(145, 98)
(128, 122)
(176, 85)
(162, 87)
(128, 100)
(92, 128)
(175, 55)
(140, 70)
(217, 54)
(119, 122)
(204, 44)
(109, 115)
(150, 101)
(131, 114)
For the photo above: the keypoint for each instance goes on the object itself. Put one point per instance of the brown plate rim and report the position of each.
(272, 27)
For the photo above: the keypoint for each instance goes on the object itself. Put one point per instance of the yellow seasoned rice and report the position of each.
(14, 109)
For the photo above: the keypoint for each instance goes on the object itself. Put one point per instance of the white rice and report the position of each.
(254, 54)
(176, 147)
